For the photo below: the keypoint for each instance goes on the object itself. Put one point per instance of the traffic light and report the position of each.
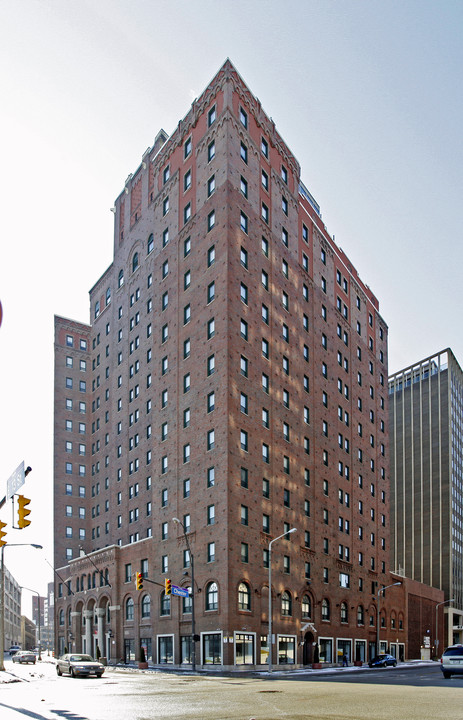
(23, 511)
(2, 534)
(139, 581)
(168, 586)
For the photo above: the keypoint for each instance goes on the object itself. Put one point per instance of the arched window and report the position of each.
(244, 597)
(61, 617)
(212, 596)
(393, 621)
(286, 604)
(77, 584)
(306, 606)
(120, 279)
(165, 604)
(325, 609)
(82, 582)
(135, 262)
(150, 244)
(344, 612)
(101, 578)
(89, 582)
(360, 615)
(106, 577)
(383, 619)
(186, 603)
(94, 579)
(129, 609)
(146, 606)
(69, 617)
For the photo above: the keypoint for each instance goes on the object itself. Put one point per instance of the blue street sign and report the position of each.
(181, 592)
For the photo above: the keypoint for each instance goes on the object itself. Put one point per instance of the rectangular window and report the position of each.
(211, 552)
(244, 477)
(210, 186)
(211, 116)
(211, 151)
(264, 147)
(265, 213)
(264, 180)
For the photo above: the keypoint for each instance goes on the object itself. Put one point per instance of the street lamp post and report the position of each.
(2, 597)
(193, 623)
(270, 644)
(381, 590)
(436, 639)
(38, 608)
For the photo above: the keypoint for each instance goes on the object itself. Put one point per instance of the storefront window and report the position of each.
(286, 649)
(212, 650)
(129, 650)
(360, 650)
(344, 650)
(165, 649)
(244, 649)
(145, 643)
(186, 647)
(326, 650)
(263, 649)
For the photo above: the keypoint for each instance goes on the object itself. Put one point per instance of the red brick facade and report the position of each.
(237, 380)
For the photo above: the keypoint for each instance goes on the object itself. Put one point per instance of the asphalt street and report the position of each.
(406, 692)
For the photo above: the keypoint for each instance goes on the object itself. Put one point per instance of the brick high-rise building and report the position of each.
(233, 376)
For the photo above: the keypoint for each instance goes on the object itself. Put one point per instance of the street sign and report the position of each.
(181, 592)
(15, 481)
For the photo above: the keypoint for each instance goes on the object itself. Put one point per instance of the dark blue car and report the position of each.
(383, 660)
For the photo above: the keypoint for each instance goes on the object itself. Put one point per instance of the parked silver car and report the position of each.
(78, 665)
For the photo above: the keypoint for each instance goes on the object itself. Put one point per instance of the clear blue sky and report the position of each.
(367, 94)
